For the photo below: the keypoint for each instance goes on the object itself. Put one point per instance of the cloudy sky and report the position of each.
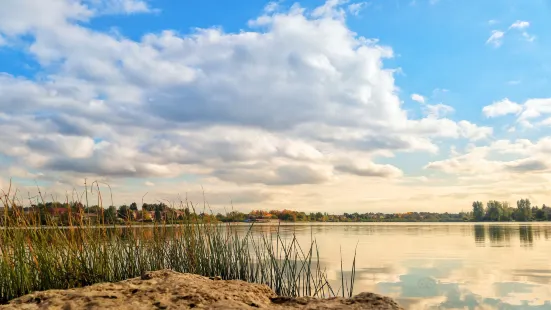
(337, 106)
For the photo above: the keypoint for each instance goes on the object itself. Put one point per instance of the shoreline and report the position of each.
(282, 223)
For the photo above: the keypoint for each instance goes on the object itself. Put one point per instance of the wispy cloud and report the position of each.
(496, 38)
(355, 8)
(438, 110)
(418, 98)
(528, 37)
(520, 24)
(271, 7)
(122, 6)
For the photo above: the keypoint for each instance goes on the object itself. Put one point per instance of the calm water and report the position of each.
(441, 266)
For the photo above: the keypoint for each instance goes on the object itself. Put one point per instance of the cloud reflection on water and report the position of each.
(443, 266)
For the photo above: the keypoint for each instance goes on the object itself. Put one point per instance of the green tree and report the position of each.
(524, 210)
(158, 215)
(494, 210)
(507, 211)
(133, 206)
(478, 211)
(123, 212)
(110, 215)
(539, 214)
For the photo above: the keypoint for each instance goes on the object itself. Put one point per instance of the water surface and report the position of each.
(440, 266)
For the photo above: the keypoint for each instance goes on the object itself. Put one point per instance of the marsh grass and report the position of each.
(37, 257)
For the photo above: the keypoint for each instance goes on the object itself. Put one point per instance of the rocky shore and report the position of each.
(166, 289)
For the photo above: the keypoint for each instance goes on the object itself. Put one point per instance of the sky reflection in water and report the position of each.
(441, 266)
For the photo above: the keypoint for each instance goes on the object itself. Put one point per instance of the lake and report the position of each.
(441, 265)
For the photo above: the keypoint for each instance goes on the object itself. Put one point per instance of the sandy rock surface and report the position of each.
(166, 289)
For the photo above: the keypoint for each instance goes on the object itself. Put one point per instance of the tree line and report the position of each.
(498, 211)
(493, 211)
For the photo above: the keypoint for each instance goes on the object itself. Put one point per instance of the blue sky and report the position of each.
(274, 103)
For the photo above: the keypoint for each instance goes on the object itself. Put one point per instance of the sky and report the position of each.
(333, 106)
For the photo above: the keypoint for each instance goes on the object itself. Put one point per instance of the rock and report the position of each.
(166, 289)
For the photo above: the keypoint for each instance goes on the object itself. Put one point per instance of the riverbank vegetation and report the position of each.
(497, 211)
(38, 254)
(64, 213)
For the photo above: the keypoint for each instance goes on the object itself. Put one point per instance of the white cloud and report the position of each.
(271, 7)
(520, 24)
(355, 8)
(418, 98)
(535, 108)
(438, 110)
(530, 111)
(473, 162)
(528, 37)
(121, 6)
(529, 158)
(546, 122)
(493, 22)
(33, 14)
(474, 132)
(281, 106)
(496, 38)
(148, 183)
(369, 169)
(331, 8)
(446, 128)
(500, 108)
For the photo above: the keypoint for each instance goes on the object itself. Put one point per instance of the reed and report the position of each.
(37, 257)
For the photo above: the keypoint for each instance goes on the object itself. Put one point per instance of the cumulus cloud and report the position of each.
(284, 174)
(446, 128)
(32, 15)
(528, 157)
(369, 169)
(502, 107)
(278, 104)
(531, 110)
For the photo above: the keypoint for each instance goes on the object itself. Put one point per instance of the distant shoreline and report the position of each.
(282, 223)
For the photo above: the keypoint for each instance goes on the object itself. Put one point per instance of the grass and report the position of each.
(35, 257)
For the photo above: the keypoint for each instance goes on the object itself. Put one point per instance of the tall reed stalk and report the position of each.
(39, 257)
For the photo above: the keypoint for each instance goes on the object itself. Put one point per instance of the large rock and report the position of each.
(166, 289)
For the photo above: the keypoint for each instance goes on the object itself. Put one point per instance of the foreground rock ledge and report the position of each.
(166, 289)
